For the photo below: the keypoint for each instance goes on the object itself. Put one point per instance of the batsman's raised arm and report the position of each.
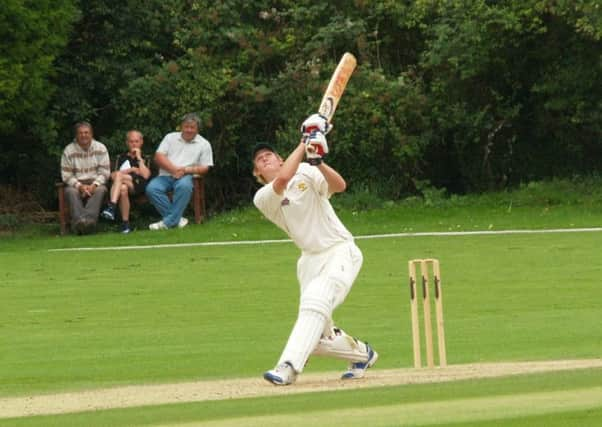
(336, 183)
(316, 147)
(289, 168)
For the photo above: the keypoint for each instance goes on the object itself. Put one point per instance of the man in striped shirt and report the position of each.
(85, 169)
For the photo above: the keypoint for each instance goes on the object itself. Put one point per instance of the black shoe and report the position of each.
(109, 213)
(126, 229)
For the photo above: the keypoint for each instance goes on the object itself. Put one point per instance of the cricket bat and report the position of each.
(337, 85)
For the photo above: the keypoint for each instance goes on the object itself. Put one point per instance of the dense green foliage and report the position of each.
(462, 95)
(32, 35)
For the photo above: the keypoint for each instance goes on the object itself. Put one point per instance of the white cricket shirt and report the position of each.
(303, 211)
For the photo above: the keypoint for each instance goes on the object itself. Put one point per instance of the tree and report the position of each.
(461, 94)
(32, 35)
(514, 90)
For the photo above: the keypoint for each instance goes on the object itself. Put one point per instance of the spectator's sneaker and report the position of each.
(157, 226)
(281, 375)
(358, 369)
(125, 229)
(108, 213)
(183, 222)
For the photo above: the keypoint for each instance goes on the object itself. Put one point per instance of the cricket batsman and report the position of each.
(295, 197)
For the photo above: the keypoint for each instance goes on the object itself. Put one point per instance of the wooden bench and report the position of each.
(197, 201)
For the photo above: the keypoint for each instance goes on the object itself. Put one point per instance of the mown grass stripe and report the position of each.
(446, 411)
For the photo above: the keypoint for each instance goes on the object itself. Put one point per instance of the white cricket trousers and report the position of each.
(325, 279)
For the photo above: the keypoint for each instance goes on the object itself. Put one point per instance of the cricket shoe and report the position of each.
(157, 226)
(358, 369)
(183, 222)
(283, 374)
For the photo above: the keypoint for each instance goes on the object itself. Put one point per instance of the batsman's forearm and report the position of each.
(336, 183)
(289, 168)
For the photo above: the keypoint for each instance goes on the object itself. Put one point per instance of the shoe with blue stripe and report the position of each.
(283, 374)
(358, 369)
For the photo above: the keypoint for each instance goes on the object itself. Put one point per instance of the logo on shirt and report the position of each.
(285, 202)
(302, 186)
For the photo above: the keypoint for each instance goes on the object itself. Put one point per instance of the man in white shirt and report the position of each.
(295, 197)
(179, 156)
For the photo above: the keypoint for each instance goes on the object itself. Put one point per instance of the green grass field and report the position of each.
(80, 320)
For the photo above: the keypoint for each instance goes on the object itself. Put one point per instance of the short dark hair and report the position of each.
(261, 146)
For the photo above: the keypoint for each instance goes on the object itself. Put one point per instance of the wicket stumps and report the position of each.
(426, 306)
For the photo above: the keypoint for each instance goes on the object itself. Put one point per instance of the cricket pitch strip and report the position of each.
(198, 391)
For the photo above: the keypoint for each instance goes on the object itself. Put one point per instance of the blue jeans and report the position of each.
(170, 210)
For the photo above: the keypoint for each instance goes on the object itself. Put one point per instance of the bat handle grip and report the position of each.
(309, 129)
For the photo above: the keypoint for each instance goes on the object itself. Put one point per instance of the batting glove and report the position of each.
(316, 122)
(316, 147)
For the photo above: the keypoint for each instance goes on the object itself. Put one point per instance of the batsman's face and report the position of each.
(266, 161)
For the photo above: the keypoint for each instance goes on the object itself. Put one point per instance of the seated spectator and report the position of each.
(179, 156)
(85, 168)
(130, 177)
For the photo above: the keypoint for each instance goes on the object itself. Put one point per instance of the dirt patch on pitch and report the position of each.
(146, 395)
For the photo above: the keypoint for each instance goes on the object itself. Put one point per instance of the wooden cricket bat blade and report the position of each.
(337, 85)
